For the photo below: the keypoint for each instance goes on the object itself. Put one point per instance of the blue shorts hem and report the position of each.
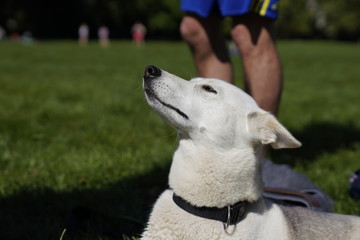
(227, 8)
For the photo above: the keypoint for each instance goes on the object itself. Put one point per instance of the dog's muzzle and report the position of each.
(151, 73)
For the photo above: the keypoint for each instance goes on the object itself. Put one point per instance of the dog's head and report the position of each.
(212, 112)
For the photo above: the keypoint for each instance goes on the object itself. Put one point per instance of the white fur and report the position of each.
(216, 163)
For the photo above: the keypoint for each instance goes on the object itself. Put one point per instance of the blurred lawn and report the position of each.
(75, 129)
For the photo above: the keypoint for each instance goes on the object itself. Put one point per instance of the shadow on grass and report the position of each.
(318, 138)
(123, 208)
(108, 213)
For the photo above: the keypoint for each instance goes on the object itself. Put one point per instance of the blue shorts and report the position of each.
(204, 8)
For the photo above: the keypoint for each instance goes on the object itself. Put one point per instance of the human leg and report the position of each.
(208, 46)
(261, 63)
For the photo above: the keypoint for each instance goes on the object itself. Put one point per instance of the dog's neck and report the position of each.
(208, 177)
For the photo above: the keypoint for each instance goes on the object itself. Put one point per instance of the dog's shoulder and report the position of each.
(157, 226)
(307, 224)
(168, 221)
(164, 203)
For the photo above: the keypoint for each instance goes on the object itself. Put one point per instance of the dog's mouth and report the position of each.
(152, 96)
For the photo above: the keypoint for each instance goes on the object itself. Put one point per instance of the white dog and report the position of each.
(215, 177)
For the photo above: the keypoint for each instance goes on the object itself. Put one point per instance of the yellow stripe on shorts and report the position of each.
(264, 7)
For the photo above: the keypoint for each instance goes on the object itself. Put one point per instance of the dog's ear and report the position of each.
(265, 128)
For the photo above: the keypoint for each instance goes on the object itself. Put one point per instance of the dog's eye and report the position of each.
(209, 89)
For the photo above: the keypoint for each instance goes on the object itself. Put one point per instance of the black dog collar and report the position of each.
(229, 215)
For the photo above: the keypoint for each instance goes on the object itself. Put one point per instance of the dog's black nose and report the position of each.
(151, 72)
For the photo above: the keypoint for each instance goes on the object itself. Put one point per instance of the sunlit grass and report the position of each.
(75, 129)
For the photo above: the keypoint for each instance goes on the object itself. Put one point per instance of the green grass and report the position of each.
(75, 129)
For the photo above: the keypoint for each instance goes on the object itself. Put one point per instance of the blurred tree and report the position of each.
(343, 19)
(160, 17)
(319, 19)
(332, 19)
(294, 20)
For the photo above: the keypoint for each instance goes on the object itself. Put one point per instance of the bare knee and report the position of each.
(242, 38)
(253, 41)
(192, 31)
